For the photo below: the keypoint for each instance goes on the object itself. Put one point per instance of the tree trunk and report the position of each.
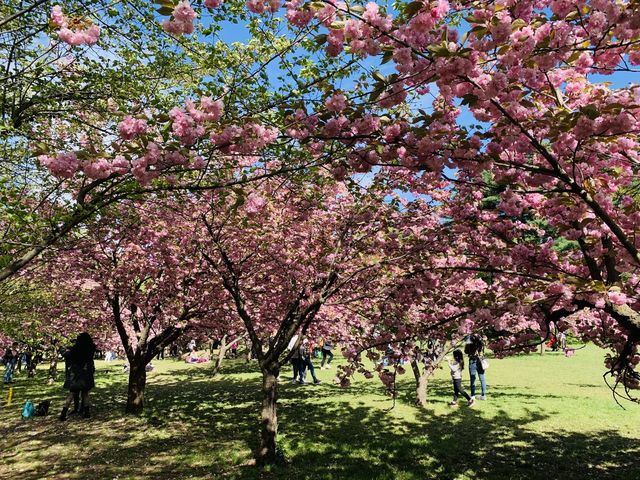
(422, 380)
(221, 353)
(542, 348)
(135, 390)
(267, 453)
(53, 367)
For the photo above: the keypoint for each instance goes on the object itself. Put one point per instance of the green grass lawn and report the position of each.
(547, 417)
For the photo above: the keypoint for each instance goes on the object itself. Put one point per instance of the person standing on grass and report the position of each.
(79, 373)
(9, 360)
(306, 363)
(475, 350)
(457, 367)
(327, 355)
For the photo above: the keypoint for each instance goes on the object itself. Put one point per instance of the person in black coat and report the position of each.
(79, 372)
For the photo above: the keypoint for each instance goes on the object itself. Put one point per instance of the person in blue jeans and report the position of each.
(306, 363)
(327, 355)
(9, 360)
(475, 349)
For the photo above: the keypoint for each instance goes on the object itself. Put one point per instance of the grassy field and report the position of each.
(546, 417)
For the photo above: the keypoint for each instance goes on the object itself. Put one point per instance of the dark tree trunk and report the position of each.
(137, 383)
(267, 451)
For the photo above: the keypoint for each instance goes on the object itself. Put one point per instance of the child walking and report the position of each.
(457, 367)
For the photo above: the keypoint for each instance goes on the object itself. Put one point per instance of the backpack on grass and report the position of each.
(28, 410)
(43, 408)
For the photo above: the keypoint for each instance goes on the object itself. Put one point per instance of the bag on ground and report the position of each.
(28, 410)
(42, 409)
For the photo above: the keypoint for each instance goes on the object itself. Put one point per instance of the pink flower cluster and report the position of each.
(88, 36)
(246, 140)
(254, 204)
(185, 127)
(260, 6)
(101, 168)
(210, 110)
(301, 124)
(154, 161)
(187, 123)
(182, 19)
(131, 127)
(336, 102)
(212, 3)
(64, 164)
(298, 16)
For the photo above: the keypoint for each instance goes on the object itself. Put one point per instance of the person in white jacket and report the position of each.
(457, 367)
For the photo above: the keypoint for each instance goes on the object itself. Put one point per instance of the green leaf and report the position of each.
(438, 50)
(591, 111)
(412, 8)
(164, 10)
(518, 24)
(379, 77)
(320, 39)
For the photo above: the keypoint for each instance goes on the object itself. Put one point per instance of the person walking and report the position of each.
(457, 367)
(327, 355)
(475, 350)
(79, 374)
(306, 363)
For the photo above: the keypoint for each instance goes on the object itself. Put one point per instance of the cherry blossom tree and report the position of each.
(292, 259)
(140, 270)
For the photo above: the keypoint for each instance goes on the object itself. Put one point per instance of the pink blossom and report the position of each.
(88, 36)
(256, 6)
(176, 27)
(213, 108)
(97, 169)
(64, 164)
(373, 17)
(184, 126)
(57, 17)
(183, 12)
(336, 103)
(131, 127)
(335, 42)
(255, 204)
(120, 165)
(617, 298)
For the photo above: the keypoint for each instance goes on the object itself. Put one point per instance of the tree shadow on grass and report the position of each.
(440, 388)
(343, 441)
(195, 427)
